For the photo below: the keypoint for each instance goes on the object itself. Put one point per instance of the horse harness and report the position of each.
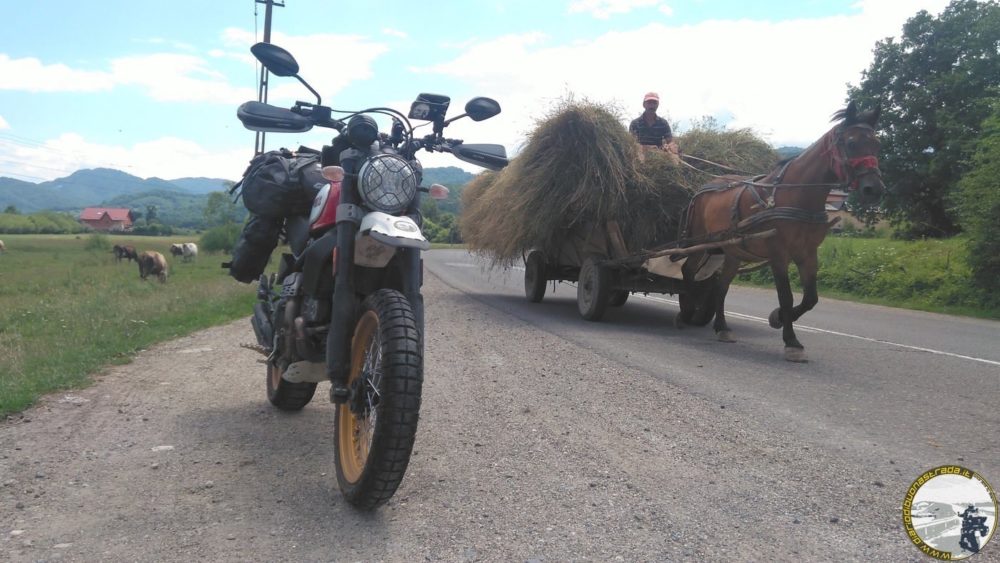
(763, 196)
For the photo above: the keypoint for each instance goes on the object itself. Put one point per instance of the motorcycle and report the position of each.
(345, 304)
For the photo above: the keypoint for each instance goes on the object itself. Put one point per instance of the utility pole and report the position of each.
(258, 146)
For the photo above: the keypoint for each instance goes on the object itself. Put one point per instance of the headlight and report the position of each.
(387, 183)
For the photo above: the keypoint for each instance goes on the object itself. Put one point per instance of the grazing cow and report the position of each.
(3, 247)
(152, 263)
(125, 251)
(188, 250)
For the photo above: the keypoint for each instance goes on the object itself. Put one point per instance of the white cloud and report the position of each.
(176, 78)
(783, 78)
(666, 10)
(166, 157)
(31, 75)
(395, 32)
(317, 56)
(3, 123)
(603, 9)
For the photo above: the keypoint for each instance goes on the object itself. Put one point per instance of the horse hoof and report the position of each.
(725, 336)
(775, 319)
(797, 355)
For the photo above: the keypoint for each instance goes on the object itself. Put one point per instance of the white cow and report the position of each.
(188, 250)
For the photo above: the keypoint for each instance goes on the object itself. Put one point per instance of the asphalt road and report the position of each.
(542, 437)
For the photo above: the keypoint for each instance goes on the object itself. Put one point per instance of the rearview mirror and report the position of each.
(482, 108)
(275, 59)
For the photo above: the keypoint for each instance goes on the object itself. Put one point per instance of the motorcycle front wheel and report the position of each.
(377, 425)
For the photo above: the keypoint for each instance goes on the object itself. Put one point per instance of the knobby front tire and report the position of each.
(377, 426)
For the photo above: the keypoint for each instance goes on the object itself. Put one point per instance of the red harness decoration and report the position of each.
(863, 161)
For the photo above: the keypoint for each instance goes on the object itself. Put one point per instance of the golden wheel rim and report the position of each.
(355, 432)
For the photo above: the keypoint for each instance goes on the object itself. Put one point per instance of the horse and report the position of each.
(152, 263)
(188, 250)
(791, 200)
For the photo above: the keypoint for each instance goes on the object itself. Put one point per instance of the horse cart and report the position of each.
(606, 271)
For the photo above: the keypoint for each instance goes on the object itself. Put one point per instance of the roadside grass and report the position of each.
(929, 275)
(67, 308)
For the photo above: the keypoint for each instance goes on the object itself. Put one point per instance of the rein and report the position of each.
(754, 183)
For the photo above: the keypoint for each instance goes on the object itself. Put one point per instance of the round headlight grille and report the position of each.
(387, 183)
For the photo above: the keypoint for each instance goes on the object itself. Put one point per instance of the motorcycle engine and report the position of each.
(315, 311)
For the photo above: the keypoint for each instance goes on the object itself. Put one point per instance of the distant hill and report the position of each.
(202, 185)
(454, 179)
(789, 152)
(94, 187)
(178, 202)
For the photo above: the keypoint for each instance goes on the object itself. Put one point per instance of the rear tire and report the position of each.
(286, 395)
(377, 425)
(593, 289)
(534, 276)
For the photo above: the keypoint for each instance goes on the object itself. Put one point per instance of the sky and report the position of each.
(151, 88)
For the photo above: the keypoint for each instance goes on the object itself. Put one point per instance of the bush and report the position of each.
(978, 207)
(220, 239)
(154, 230)
(98, 242)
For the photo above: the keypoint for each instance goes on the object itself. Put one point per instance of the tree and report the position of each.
(12, 210)
(935, 86)
(978, 206)
(220, 210)
(150, 214)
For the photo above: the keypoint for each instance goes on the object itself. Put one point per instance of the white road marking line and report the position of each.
(460, 265)
(844, 334)
(798, 326)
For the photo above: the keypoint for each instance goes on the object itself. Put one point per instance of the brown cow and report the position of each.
(125, 251)
(152, 263)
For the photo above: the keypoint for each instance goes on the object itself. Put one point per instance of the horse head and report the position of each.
(854, 155)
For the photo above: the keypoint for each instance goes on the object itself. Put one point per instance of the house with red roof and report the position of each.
(107, 218)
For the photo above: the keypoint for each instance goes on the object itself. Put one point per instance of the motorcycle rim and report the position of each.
(357, 429)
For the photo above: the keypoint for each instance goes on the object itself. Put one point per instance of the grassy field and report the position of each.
(67, 308)
(930, 275)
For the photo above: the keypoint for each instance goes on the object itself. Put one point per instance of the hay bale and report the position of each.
(741, 149)
(581, 168)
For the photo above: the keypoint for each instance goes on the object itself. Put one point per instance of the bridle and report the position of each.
(850, 170)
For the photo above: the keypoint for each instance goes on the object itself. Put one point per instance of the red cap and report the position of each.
(651, 96)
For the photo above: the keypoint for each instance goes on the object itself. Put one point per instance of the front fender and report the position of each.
(381, 234)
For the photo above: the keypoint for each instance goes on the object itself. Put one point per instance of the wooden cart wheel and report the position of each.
(593, 289)
(618, 298)
(534, 276)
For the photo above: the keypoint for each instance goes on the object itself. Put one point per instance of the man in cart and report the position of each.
(651, 130)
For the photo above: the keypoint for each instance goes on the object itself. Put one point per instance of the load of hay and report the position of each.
(580, 168)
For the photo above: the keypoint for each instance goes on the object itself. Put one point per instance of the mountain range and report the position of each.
(93, 188)
(105, 187)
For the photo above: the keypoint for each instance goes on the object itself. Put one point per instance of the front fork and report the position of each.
(344, 303)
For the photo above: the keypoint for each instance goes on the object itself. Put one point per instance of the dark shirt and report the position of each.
(650, 134)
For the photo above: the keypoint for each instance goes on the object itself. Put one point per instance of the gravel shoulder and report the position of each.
(530, 447)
